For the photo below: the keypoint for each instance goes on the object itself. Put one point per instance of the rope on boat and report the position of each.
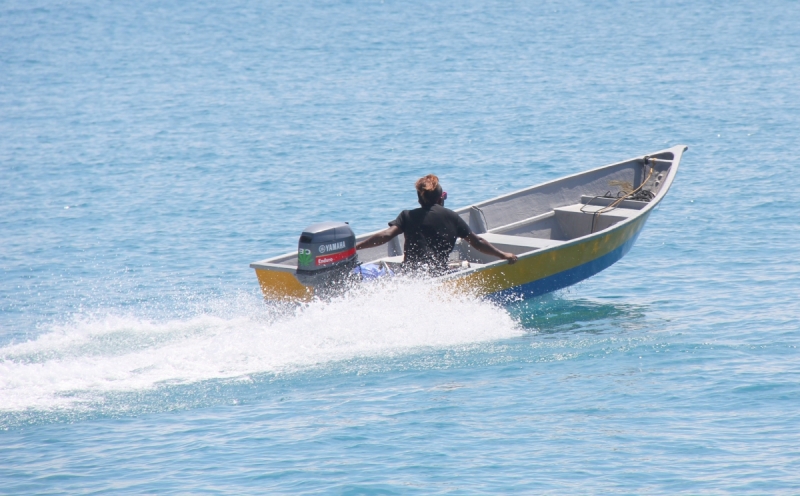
(637, 194)
(644, 195)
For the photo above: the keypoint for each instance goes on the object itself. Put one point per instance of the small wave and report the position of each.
(73, 365)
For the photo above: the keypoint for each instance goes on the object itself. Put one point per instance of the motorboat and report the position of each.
(562, 231)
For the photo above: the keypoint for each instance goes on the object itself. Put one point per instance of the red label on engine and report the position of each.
(336, 257)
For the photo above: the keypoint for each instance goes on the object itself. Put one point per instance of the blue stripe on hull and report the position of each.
(565, 278)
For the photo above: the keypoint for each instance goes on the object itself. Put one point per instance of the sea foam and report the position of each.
(77, 362)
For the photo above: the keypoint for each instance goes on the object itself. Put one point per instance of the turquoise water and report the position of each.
(150, 152)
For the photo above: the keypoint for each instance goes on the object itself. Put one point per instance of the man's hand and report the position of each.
(510, 257)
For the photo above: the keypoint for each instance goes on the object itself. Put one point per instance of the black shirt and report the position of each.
(430, 234)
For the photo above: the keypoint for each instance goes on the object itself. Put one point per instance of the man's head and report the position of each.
(429, 191)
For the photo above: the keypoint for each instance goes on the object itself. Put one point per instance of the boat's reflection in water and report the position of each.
(557, 313)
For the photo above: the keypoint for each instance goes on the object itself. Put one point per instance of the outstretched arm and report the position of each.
(486, 247)
(380, 238)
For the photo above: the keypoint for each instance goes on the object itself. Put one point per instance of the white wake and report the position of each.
(79, 361)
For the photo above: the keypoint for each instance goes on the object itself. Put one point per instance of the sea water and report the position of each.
(149, 152)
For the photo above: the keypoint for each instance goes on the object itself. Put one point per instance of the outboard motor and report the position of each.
(326, 254)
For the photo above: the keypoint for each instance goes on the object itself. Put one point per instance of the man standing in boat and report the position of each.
(431, 231)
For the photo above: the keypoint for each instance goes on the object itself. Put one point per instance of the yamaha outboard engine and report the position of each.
(326, 254)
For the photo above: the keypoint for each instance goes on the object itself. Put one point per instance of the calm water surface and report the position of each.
(149, 152)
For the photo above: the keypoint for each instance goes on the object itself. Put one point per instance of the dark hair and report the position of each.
(428, 190)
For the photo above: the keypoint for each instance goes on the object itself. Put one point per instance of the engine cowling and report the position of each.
(326, 251)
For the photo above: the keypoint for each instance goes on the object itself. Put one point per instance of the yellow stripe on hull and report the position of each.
(540, 265)
(281, 285)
